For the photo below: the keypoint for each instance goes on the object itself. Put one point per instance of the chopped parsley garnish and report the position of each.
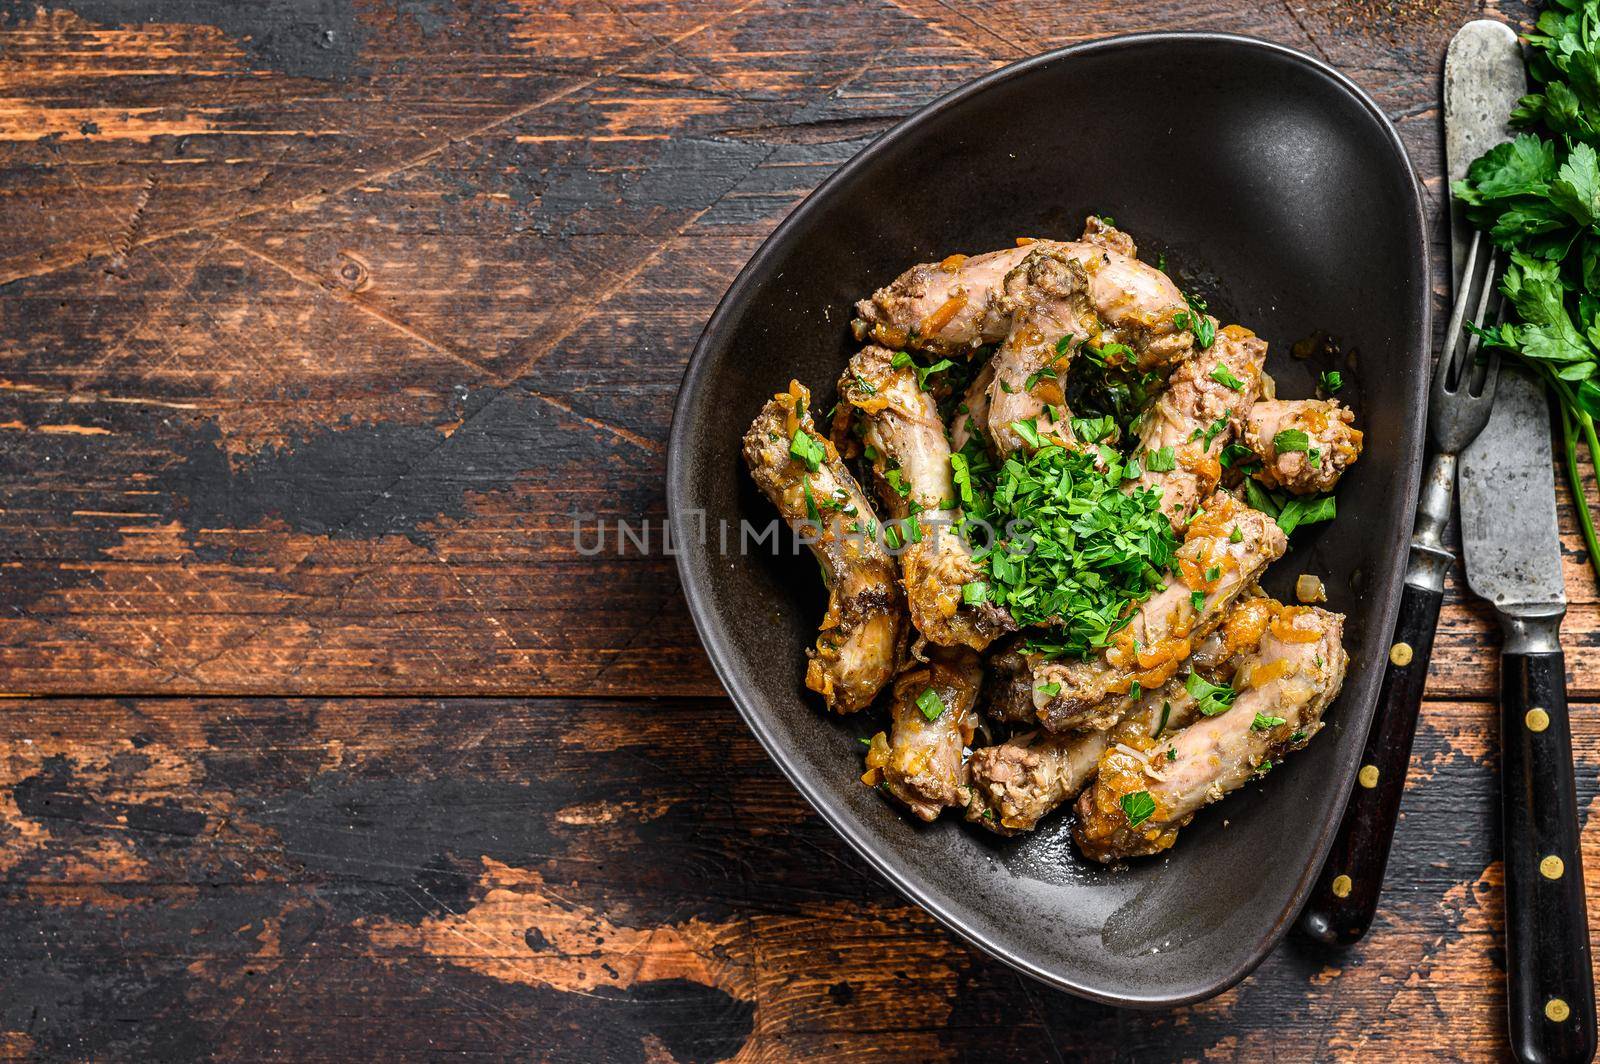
(1236, 536)
(811, 503)
(1136, 690)
(1074, 551)
(1166, 712)
(1332, 381)
(1210, 699)
(1298, 736)
(1212, 573)
(1172, 754)
(1028, 431)
(1291, 512)
(1263, 722)
(1213, 429)
(1137, 807)
(1290, 440)
(975, 594)
(930, 704)
(806, 448)
(896, 480)
(1093, 429)
(1160, 460)
(924, 372)
(1263, 768)
(1236, 454)
(900, 360)
(1197, 599)
(1194, 319)
(1225, 378)
(1049, 690)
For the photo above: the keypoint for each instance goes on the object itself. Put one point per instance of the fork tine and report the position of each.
(1491, 376)
(1480, 382)
(1472, 341)
(1452, 333)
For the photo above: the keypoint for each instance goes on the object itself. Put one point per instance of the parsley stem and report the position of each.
(1572, 418)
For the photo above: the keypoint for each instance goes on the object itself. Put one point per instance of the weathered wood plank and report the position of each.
(346, 879)
(304, 373)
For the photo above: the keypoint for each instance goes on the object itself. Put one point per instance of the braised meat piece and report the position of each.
(1226, 549)
(932, 719)
(1304, 445)
(1141, 799)
(950, 306)
(801, 472)
(1069, 295)
(961, 302)
(1015, 784)
(1202, 410)
(910, 458)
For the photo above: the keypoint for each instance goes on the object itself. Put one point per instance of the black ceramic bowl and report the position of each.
(1278, 191)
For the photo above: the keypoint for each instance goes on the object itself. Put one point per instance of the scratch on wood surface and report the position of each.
(55, 259)
(353, 298)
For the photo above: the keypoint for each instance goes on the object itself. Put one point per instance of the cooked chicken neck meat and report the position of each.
(1304, 445)
(910, 459)
(1225, 550)
(1015, 784)
(1096, 230)
(932, 718)
(1066, 297)
(1141, 799)
(1202, 410)
(800, 471)
(950, 306)
(962, 302)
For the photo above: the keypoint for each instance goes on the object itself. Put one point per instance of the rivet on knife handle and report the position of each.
(1550, 988)
(1345, 898)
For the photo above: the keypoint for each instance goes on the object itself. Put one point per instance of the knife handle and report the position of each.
(1345, 898)
(1549, 984)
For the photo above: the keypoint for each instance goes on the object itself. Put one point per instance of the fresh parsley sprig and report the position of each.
(1538, 197)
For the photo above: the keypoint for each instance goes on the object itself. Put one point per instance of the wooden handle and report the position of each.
(1549, 984)
(1346, 895)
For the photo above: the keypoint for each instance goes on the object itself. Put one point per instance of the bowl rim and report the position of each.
(745, 285)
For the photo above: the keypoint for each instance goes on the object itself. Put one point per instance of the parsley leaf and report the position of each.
(1290, 440)
(1225, 378)
(930, 704)
(1028, 432)
(1263, 722)
(806, 448)
(1137, 807)
(1160, 460)
(1332, 381)
(1210, 699)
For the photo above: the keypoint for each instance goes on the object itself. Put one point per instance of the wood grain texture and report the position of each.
(319, 327)
(319, 322)
(611, 880)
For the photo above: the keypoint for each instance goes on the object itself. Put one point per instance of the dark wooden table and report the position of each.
(318, 321)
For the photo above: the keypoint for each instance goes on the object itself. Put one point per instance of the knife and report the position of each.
(1512, 548)
(1483, 80)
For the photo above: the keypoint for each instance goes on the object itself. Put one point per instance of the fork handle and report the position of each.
(1345, 898)
(1549, 984)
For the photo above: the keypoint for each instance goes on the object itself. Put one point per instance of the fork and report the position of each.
(1345, 897)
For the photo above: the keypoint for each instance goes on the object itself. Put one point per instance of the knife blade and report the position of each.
(1483, 79)
(1510, 538)
(1511, 544)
